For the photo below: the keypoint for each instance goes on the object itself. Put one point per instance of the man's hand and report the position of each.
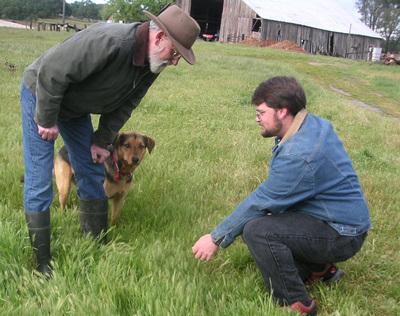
(204, 249)
(50, 133)
(99, 154)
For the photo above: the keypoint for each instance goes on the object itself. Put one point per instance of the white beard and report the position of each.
(156, 63)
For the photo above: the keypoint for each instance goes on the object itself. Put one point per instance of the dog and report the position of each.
(129, 148)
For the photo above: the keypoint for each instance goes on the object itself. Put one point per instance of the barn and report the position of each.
(317, 26)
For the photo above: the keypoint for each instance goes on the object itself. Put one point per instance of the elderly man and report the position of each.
(309, 213)
(105, 69)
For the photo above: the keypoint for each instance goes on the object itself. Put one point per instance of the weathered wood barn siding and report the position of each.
(184, 5)
(319, 41)
(238, 21)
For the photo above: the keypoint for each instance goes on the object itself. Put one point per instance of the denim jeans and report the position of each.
(39, 157)
(287, 247)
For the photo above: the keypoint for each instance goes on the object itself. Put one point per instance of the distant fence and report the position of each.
(388, 59)
(58, 27)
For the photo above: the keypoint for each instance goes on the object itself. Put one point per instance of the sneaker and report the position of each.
(330, 274)
(310, 310)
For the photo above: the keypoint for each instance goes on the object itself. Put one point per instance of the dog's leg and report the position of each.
(63, 175)
(117, 203)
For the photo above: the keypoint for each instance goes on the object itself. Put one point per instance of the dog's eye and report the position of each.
(141, 146)
(127, 146)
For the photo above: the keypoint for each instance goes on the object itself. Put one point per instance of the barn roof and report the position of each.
(326, 15)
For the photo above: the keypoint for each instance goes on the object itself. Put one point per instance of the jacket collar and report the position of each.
(294, 128)
(141, 45)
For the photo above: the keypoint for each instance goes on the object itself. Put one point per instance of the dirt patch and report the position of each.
(340, 91)
(256, 43)
(285, 45)
(11, 24)
(360, 103)
(289, 46)
(355, 101)
(268, 43)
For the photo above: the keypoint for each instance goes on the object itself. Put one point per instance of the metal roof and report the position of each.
(328, 15)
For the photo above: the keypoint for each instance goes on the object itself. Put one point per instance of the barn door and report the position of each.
(331, 44)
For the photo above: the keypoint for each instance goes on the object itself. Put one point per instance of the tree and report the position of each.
(132, 10)
(31, 18)
(29, 9)
(86, 9)
(13, 9)
(382, 16)
(23, 9)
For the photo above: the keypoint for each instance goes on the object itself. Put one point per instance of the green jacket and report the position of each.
(100, 70)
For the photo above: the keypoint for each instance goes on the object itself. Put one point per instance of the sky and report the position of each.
(349, 5)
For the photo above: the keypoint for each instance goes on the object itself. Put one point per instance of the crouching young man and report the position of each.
(309, 213)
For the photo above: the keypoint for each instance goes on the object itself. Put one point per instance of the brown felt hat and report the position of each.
(180, 28)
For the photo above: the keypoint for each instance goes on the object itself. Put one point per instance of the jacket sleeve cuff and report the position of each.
(103, 141)
(222, 241)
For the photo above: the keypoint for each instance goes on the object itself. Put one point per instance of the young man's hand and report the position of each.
(204, 249)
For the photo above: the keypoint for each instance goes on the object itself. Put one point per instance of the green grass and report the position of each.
(209, 156)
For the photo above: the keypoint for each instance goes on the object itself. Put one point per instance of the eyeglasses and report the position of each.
(260, 113)
(175, 53)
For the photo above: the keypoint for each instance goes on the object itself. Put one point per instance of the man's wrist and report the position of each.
(110, 148)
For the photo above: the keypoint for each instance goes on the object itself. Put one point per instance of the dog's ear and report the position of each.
(117, 140)
(150, 143)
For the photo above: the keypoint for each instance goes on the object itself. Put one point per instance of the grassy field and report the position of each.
(209, 156)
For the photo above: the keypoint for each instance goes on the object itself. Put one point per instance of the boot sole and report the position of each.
(336, 278)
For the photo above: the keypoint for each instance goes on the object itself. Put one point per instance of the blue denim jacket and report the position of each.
(310, 173)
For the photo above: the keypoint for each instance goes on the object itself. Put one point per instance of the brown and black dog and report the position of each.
(129, 150)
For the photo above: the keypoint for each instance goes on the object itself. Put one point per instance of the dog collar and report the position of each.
(119, 172)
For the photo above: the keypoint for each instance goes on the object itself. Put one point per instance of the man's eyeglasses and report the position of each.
(260, 113)
(175, 53)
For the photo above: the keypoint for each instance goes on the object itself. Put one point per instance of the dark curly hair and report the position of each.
(281, 92)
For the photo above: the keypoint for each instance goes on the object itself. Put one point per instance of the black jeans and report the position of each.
(288, 247)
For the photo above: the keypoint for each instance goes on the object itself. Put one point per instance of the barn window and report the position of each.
(256, 25)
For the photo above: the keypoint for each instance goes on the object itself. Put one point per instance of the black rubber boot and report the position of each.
(94, 218)
(39, 234)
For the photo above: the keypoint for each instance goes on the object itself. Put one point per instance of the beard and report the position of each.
(273, 131)
(156, 63)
